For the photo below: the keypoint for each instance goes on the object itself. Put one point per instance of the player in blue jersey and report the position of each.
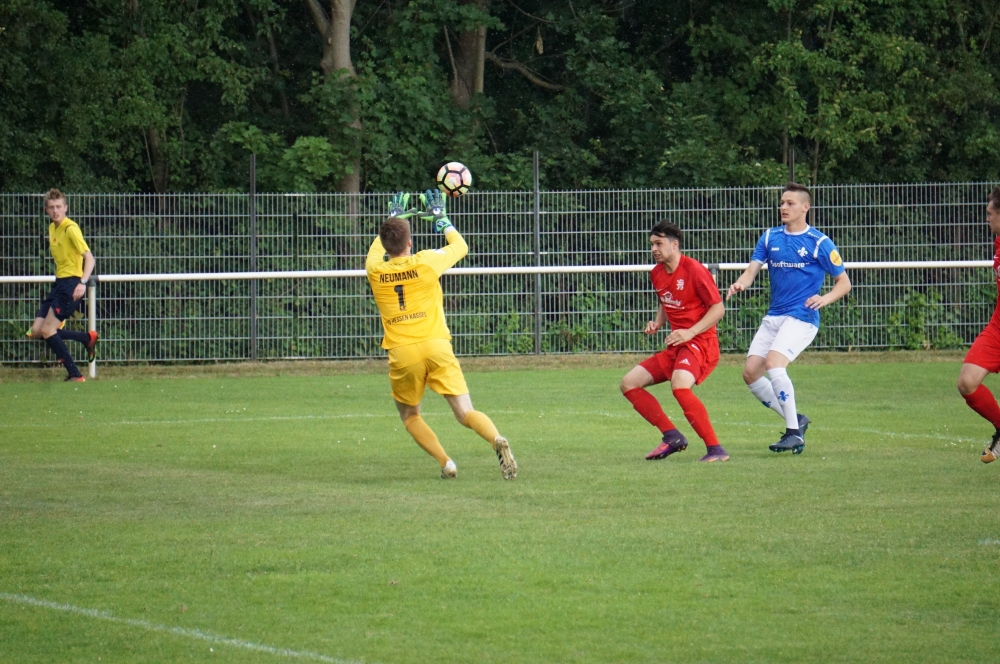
(798, 258)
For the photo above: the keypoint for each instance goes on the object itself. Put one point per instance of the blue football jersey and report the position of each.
(797, 264)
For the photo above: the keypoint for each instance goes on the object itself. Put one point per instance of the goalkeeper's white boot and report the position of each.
(449, 471)
(508, 466)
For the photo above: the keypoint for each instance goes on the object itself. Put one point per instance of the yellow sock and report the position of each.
(483, 425)
(426, 438)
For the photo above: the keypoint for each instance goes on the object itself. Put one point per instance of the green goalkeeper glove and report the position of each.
(434, 210)
(397, 206)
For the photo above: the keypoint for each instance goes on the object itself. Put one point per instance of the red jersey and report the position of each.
(687, 293)
(995, 320)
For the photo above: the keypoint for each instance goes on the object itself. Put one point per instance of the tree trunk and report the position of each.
(337, 39)
(469, 57)
(336, 60)
(158, 169)
(275, 67)
(277, 74)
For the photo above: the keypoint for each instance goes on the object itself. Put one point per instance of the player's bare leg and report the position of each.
(760, 385)
(425, 437)
(970, 377)
(36, 329)
(49, 330)
(467, 416)
(981, 400)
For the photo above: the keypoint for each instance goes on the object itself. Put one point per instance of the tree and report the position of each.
(338, 72)
(167, 95)
(468, 57)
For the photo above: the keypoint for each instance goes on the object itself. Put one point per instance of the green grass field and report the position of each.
(291, 518)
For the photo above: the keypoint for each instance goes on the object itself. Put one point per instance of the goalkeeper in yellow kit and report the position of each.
(407, 290)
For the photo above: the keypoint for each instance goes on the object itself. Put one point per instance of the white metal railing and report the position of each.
(269, 276)
(542, 269)
(716, 268)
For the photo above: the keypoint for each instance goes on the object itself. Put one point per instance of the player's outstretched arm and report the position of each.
(399, 206)
(711, 317)
(841, 287)
(435, 212)
(745, 280)
(376, 254)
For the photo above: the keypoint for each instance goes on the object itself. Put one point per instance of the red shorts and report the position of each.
(699, 357)
(985, 350)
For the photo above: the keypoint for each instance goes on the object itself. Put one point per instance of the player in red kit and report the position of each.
(983, 357)
(690, 301)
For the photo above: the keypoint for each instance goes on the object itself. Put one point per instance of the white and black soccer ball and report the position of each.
(454, 179)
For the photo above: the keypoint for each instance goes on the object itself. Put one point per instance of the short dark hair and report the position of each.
(994, 197)
(799, 189)
(666, 229)
(395, 234)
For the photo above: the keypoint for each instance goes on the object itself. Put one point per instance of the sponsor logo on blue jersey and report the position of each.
(797, 265)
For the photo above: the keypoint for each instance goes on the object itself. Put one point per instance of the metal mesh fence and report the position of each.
(488, 314)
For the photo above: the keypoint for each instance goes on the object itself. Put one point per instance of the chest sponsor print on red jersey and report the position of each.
(668, 300)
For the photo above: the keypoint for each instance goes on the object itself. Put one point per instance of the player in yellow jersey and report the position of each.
(407, 290)
(74, 265)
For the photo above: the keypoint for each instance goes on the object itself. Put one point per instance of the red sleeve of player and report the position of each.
(704, 285)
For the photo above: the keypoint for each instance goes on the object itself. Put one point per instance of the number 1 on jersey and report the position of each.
(402, 297)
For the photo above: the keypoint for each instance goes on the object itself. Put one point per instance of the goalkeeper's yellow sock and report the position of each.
(426, 438)
(483, 425)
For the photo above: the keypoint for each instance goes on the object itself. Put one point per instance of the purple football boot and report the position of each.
(673, 441)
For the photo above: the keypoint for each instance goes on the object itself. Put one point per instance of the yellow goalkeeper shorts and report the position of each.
(426, 364)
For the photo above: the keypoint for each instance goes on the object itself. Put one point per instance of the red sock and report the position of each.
(646, 405)
(694, 411)
(983, 402)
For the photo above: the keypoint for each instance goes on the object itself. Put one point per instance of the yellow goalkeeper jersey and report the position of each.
(407, 290)
(68, 247)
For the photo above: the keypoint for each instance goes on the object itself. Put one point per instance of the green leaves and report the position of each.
(160, 95)
(311, 161)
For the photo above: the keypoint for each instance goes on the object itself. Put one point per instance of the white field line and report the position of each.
(572, 413)
(176, 631)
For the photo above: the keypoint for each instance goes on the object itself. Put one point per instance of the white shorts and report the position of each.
(784, 334)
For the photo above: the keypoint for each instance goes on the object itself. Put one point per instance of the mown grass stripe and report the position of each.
(176, 631)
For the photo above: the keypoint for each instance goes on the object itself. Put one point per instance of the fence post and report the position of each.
(92, 315)
(295, 284)
(538, 262)
(253, 256)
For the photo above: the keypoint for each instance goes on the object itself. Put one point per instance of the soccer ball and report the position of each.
(454, 179)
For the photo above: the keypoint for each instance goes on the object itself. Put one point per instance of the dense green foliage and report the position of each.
(158, 95)
(294, 511)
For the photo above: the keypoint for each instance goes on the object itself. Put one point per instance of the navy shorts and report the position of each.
(60, 299)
